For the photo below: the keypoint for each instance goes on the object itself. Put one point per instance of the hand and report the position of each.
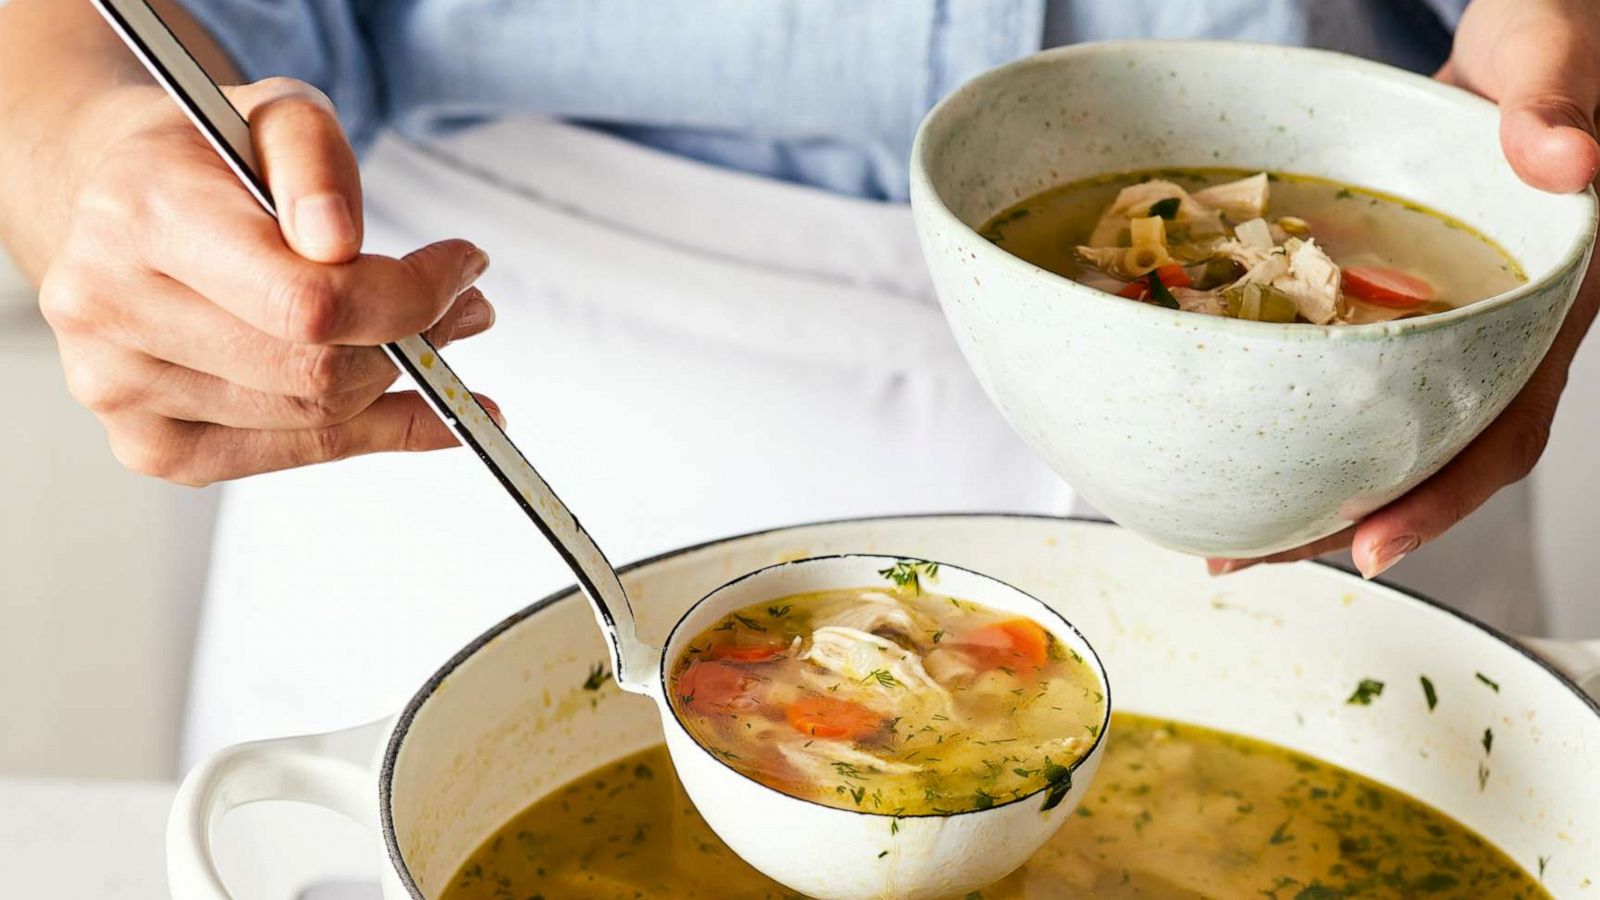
(1540, 60)
(213, 342)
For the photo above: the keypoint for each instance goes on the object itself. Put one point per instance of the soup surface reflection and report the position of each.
(1177, 811)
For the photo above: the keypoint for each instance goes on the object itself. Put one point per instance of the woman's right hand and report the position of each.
(214, 342)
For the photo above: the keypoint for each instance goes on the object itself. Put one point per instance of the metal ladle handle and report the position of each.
(229, 134)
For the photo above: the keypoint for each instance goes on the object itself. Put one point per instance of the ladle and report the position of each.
(820, 850)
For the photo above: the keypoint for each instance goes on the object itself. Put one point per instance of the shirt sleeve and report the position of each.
(320, 42)
(1448, 11)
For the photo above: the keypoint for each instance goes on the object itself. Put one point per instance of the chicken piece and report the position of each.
(1312, 281)
(1238, 200)
(1301, 271)
(818, 760)
(1135, 201)
(949, 667)
(876, 613)
(1208, 303)
(868, 659)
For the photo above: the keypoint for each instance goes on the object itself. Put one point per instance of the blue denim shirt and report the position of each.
(822, 92)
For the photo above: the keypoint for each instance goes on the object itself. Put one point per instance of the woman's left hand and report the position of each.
(1540, 61)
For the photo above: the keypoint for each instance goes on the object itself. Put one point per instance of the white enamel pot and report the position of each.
(1271, 653)
(1218, 436)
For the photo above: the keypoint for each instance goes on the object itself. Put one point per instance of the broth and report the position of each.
(1177, 811)
(892, 700)
(1402, 259)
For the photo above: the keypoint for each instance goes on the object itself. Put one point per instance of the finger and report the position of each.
(199, 454)
(1330, 544)
(309, 167)
(161, 318)
(1549, 88)
(1503, 454)
(230, 252)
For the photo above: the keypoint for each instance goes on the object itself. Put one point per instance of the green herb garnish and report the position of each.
(910, 572)
(749, 623)
(1429, 694)
(598, 675)
(1487, 680)
(1166, 209)
(778, 612)
(1365, 692)
(1488, 741)
(1159, 292)
(882, 677)
(1059, 781)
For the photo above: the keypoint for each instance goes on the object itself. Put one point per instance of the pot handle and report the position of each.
(327, 770)
(1578, 659)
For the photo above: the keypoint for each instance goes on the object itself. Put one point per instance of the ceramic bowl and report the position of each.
(1212, 435)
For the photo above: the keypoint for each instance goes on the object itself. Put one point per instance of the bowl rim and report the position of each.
(932, 203)
(1098, 667)
(401, 728)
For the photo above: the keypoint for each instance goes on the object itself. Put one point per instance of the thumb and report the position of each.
(1547, 110)
(309, 167)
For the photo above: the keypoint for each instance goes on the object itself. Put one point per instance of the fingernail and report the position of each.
(476, 264)
(477, 314)
(323, 221)
(1390, 552)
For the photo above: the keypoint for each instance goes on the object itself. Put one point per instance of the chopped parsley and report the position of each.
(1493, 685)
(1429, 694)
(1166, 209)
(1365, 692)
(1488, 741)
(910, 572)
(598, 676)
(1159, 292)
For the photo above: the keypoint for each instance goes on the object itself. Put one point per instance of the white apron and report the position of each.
(684, 352)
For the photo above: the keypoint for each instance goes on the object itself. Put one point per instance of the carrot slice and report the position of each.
(1172, 275)
(829, 717)
(1013, 643)
(746, 653)
(1386, 287)
(712, 686)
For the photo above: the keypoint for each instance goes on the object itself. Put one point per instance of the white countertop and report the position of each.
(83, 839)
(106, 840)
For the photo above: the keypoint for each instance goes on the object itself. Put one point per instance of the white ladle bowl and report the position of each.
(825, 851)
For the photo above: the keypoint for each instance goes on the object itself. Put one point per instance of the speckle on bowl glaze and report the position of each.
(1213, 435)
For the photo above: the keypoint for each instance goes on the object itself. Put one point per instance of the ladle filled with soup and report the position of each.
(1261, 246)
(892, 698)
(864, 726)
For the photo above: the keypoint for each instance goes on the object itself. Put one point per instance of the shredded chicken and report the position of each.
(1206, 302)
(1135, 201)
(1238, 200)
(875, 613)
(1312, 281)
(860, 656)
(818, 759)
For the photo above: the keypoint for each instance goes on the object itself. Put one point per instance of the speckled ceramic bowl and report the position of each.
(1211, 435)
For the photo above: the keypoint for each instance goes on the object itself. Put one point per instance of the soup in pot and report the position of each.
(1177, 811)
(1259, 246)
(891, 699)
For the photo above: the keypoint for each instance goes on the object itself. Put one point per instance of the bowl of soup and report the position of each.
(1239, 296)
(1296, 732)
